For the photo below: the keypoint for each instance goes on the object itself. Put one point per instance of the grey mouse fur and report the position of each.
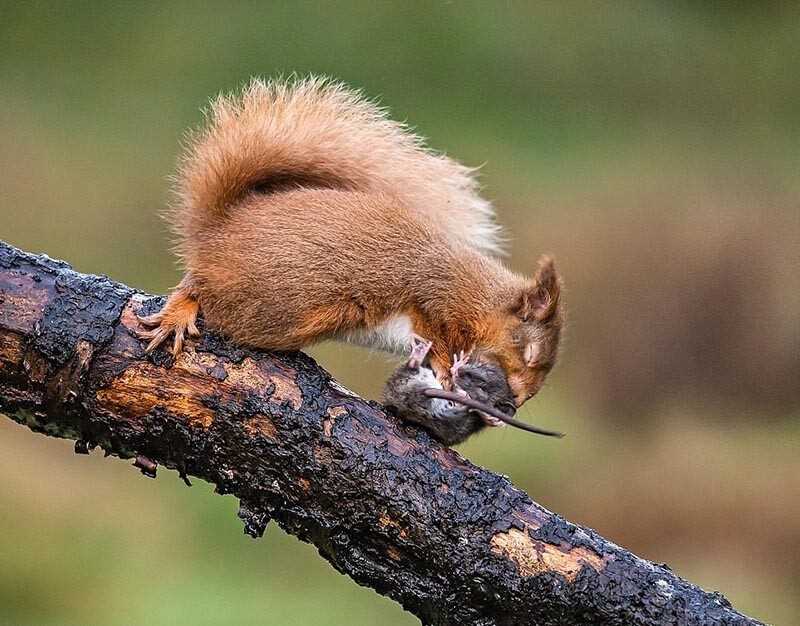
(446, 420)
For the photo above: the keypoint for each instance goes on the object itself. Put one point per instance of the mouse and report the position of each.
(480, 397)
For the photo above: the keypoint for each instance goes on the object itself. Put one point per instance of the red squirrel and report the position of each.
(303, 213)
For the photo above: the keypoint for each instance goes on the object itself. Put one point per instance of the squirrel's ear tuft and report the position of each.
(539, 301)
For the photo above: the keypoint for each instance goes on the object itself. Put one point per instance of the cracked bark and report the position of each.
(451, 542)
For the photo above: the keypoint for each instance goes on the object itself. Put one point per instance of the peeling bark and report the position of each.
(451, 542)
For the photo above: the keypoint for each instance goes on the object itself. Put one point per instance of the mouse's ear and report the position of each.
(539, 300)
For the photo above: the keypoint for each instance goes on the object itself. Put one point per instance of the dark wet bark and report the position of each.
(451, 542)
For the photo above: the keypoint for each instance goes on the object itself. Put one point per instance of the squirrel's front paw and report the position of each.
(459, 361)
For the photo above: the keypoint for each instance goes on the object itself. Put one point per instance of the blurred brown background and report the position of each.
(654, 148)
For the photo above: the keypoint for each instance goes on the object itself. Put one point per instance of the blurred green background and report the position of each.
(653, 147)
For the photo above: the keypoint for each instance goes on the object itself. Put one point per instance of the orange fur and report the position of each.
(303, 213)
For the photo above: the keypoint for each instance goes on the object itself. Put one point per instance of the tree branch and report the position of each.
(451, 542)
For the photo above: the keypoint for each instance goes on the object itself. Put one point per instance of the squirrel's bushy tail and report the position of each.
(318, 133)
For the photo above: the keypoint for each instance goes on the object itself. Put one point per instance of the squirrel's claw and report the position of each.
(459, 361)
(159, 335)
(149, 321)
(177, 344)
(178, 318)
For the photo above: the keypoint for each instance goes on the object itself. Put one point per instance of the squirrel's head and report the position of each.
(526, 334)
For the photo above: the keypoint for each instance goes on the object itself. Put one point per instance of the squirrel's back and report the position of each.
(317, 133)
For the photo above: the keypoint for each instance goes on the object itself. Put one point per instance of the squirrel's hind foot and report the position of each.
(178, 318)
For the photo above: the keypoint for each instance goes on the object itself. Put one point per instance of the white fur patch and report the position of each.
(427, 377)
(439, 406)
(391, 335)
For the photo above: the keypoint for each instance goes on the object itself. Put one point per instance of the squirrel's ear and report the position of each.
(539, 301)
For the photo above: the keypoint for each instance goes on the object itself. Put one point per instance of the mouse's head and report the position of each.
(523, 337)
(486, 382)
